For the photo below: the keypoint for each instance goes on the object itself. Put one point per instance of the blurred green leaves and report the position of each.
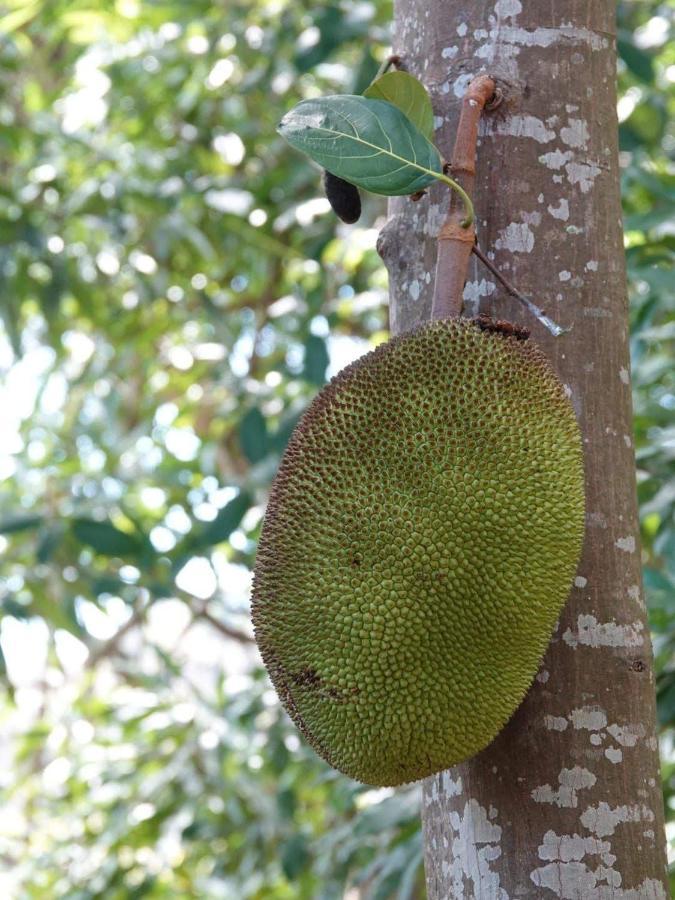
(106, 538)
(227, 519)
(253, 436)
(169, 275)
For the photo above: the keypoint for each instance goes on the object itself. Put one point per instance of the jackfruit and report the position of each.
(419, 543)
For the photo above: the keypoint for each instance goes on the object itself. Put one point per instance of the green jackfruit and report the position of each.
(420, 541)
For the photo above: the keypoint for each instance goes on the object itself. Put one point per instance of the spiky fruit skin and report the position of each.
(420, 541)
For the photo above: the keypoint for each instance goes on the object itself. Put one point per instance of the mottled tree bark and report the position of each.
(566, 802)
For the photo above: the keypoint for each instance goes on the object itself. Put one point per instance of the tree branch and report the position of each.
(232, 633)
(111, 646)
(456, 238)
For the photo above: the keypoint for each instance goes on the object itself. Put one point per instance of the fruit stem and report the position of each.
(458, 234)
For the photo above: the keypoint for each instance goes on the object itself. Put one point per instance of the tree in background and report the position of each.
(174, 290)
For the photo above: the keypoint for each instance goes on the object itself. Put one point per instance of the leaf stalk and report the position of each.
(469, 218)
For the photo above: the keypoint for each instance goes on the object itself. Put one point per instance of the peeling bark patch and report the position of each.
(561, 211)
(583, 174)
(635, 594)
(624, 376)
(580, 581)
(555, 723)
(565, 848)
(460, 85)
(525, 126)
(569, 878)
(575, 133)
(591, 633)
(474, 290)
(597, 312)
(592, 718)
(603, 819)
(508, 8)
(627, 735)
(516, 237)
(614, 755)
(556, 159)
(596, 520)
(547, 37)
(570, 781)
(471, 862)
(574, 880)
(627, 544)
(443, 785)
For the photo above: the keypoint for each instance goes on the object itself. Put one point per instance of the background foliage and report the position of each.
(170, 275)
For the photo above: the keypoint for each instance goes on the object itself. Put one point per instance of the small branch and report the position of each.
(232, 633)
(111, 646)
(457, 235)
(200, 611)
(393, 60)
(539, 314)
(490, 266)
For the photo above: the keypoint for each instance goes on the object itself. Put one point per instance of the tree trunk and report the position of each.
(566, 802)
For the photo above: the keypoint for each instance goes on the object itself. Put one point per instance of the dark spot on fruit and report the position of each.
(307, 677)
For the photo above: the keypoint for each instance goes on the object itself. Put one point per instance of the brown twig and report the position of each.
(539, 314)
(111, 646)
(200, 611)
(490, 266)
(232, 633)
(456, 239)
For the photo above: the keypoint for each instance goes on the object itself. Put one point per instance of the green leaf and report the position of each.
(106, 584)
(367, 142)
(412, 878)
(640, 63)
(281, 437)
(15, 20)
(12, 524)
(294, 856)
(18, 610)
(316, 360)
(105, 538)
(48, 541)
(220, 528)
(253, 436)
(408, 94)
(286, 803)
